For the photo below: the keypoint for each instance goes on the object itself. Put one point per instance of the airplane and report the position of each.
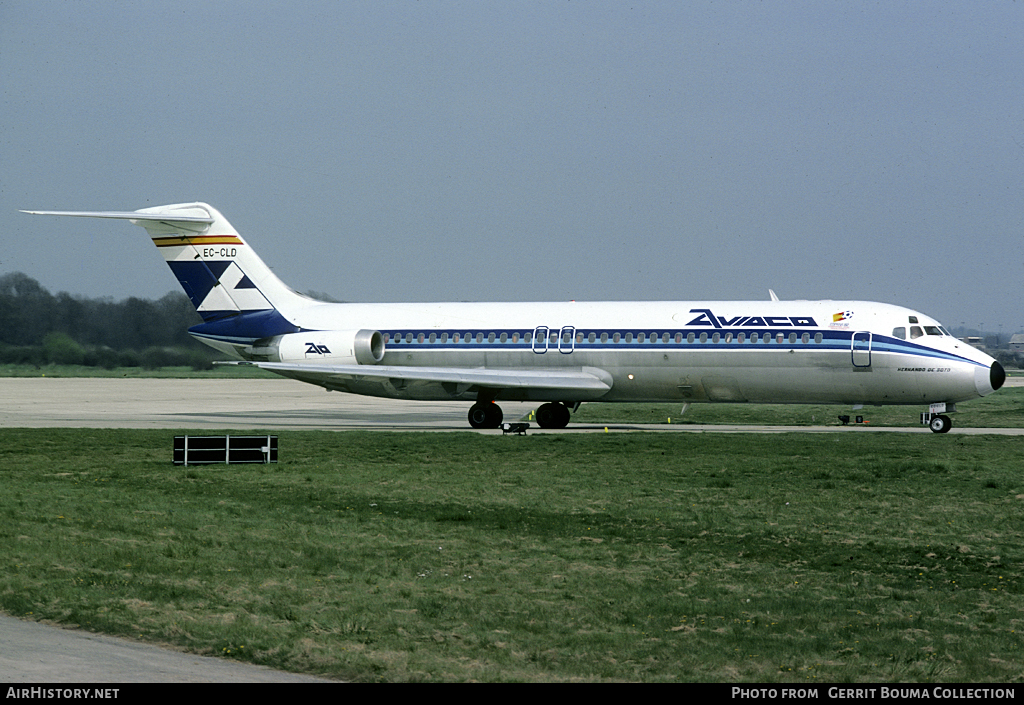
(561, 354)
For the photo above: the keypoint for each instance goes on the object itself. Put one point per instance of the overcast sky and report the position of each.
(480, 151)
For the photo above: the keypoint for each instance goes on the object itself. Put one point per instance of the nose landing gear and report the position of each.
(936, 419)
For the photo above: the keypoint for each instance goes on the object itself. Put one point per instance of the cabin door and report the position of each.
(567, 340)
(540, 340)
(860, 348)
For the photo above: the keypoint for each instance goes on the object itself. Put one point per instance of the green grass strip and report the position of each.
(455, 556)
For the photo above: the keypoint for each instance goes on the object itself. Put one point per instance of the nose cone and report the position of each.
(989, 380)
(996, 375)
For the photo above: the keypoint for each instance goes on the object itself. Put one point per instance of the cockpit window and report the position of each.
(900, 333)
(932, 330)
(916, 332)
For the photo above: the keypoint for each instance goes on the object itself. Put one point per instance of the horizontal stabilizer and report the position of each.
(130, 215)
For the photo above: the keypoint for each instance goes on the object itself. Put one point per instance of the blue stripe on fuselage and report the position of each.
(832, 341)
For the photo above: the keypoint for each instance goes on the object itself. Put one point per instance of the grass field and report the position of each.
(451, 557)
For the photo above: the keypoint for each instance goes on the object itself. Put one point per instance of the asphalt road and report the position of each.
(43, 654)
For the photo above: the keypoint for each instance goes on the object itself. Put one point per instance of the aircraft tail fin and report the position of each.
(219, 272)
(238, 297)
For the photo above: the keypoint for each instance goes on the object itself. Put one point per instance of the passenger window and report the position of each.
(689, 337)
(805, 338)
(916, 332)
(703, 337)
(641, 337)
(604, 337)
(818, 337)
(741, 338)
(900, 333)
(490, 337)
(629, 337)
(615, 337)
(503, 338)
(792, 338)
(664, 337)
(408, 337)
(592, 337)
(433, 337)
(715, 338)
(479, 337)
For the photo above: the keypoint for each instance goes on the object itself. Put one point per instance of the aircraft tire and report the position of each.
(940, 424)
(485, 415)
(553, 415)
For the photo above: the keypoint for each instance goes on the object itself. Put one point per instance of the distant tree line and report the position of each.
(38, 328)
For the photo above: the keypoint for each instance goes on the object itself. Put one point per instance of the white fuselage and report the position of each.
(723, 351)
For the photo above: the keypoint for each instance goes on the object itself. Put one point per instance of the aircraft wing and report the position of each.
(575, 384)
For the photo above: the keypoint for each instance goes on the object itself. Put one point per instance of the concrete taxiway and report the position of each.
(280, 404)
(214, 404)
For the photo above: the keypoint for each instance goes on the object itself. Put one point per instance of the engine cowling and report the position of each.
(361, 347)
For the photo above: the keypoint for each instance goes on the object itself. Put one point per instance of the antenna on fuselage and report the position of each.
(773, 295)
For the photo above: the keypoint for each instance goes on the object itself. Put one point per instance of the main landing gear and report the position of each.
(940, 423)
(487, 414)
(553, 415)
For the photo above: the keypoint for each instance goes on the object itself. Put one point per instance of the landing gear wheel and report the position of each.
(940, 424)
(487, 415)
(553, 415)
